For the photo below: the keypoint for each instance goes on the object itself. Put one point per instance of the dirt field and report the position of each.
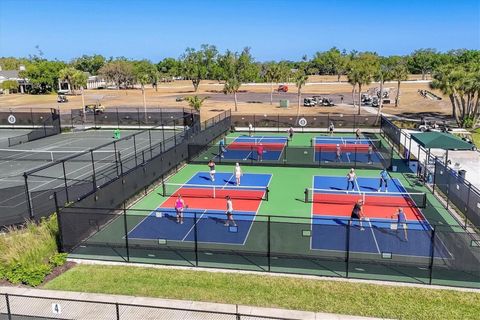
(253, 98)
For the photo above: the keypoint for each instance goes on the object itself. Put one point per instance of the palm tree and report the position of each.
(66, 74)
(383, 74)
(399, 74)
(272, 75)
(353, 79)
(300, 80)
(232, 85)
(143, 79)
(195, 102)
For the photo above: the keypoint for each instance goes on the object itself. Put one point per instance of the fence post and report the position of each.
(278, 122)
(432, 253)
(65, 181)
(195, 234)
(163, 134)
(347, 262)
(31, 116)
(59, 222)
(237, 315)
(27, 194)
(135, 148)
(268, 243)
(117, 310)
(126, 231)
(9, 312)
(467, 202)
(94, 180)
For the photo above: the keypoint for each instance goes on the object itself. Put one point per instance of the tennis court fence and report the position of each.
(282, 122)
(15, 306)
(355, 156)
(43, 123)
(131, 117)
(452, 189)
(336, 247)
(120, 169)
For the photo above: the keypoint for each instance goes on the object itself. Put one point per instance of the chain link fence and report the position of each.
(17, 307)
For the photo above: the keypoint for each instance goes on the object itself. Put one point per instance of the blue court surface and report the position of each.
(207, 224)
(161, 224)
(379, 235)
(366, 184)
(352, 150)
(245, 148)
(228, 178)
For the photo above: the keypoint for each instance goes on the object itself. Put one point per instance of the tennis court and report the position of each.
(379, 233)
(293, 231)
(345, 149)
(206, 210)
(246, 148)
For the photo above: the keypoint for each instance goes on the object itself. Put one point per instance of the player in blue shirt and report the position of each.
(384, 177)
(401, 221)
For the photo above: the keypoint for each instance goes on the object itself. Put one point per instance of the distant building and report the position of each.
(23, 84)
(96, 82)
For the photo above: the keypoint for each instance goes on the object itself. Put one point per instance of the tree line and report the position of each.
(456, 73)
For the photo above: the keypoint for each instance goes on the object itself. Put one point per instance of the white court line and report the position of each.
(196, 222)
(61, 176)
(373, 234)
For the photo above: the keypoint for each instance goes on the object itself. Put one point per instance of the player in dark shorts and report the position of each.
(357, 213)
(290, 133)
(357, 134)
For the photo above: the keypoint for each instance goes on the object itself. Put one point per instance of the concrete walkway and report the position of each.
(76, 305)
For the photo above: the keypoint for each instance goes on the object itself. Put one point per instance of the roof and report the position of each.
(440, 140)
(9, 74)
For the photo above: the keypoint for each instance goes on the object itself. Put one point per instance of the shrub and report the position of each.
(29, 253)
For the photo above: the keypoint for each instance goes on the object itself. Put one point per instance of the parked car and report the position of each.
(94, 108)
(62, 98)
(282, 88)
(309, 102)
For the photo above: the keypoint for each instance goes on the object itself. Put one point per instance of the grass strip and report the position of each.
(266, 291)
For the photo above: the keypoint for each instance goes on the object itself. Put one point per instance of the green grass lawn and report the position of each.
(476, 137)
(267, 291)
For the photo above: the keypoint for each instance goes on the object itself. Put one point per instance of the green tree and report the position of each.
(91, 64)
(361, 72)
(9, 86)
(195, 102)
(383, 74)
(119, 71)
(332, 62)
(399, 73)
(169, 68)
(275, 73)
(66, 74)
(11, 63)
(145, 72)
(461, 83)
(43, 75)
(423, 61)
(200, 65)
(301, 79)
(235, 70)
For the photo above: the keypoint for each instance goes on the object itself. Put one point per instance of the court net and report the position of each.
(373, 198)
(320, 141)
(213, 191)
(51, 156)
(254, 141)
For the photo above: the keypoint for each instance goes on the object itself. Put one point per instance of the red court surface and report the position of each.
(375, 207)
(250, 146)
(343, 147)
(196, 198)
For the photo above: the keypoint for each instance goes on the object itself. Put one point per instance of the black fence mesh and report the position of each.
(446, 184)
(132, 117)
(281, 122)
(336, 247)
(15, 306)
(296, 156)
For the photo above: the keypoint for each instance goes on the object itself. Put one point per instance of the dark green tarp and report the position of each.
(440, 140)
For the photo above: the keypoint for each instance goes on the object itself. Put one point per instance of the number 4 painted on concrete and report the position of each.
(56, 308)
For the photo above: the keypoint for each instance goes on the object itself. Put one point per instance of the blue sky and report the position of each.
(273, 29)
